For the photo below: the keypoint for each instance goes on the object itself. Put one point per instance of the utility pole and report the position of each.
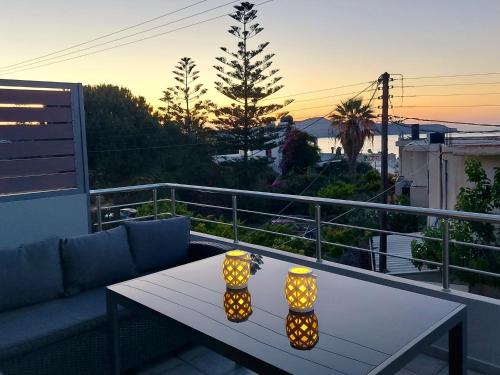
(384, 80)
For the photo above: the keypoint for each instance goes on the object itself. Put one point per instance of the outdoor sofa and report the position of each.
(52, 298)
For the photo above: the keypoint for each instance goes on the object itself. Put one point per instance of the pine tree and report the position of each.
(184, 103)
(246, 124)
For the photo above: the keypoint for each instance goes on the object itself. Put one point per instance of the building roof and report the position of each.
(397, 245)
(463, 145)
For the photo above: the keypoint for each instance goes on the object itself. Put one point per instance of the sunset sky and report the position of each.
(319, 44)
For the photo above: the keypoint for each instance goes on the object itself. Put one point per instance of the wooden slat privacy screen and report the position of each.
(38, 148)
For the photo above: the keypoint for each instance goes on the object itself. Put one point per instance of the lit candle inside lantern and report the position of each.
(236, 269)
(302, 330)
(300, 289)
(237, 304)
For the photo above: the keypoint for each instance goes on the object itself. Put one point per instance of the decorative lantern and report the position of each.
(237, 304)
(300, 289)
(236, 269)
(302, 330)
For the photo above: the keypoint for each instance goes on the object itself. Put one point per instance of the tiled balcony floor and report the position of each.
(200, 360)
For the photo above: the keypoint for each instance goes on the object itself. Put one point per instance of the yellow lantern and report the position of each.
(300, 289)
(237, 304)
(302, 330)
(236, 269)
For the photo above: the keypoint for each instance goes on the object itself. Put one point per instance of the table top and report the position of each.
(359, 324)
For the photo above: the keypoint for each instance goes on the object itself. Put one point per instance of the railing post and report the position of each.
(446, 255)
(155, 203)
(317, 210)
(235, 218)
(172, 200)
(98, 199)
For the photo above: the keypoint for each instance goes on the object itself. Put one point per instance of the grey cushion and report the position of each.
(30, 274)
(97, 259)
(159, 244)
(33, 326)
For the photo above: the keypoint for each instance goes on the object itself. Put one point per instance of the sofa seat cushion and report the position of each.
(38, 325)
(159, 244)
(30, 274)
(96, 260)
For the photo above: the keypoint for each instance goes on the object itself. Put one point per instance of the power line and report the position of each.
(105, 35)
(439, 95)
(452, 76)
(405, 127)
(150, 147)
(456, 84)
(324, 97)
(121, 38)
(133, 41)
(321, 106)
(319, 90)
(322, 116)
(446, 121)
(329, 113)
(448, 106)
(155, 131)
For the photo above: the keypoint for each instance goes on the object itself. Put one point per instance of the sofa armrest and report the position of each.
(204, 249)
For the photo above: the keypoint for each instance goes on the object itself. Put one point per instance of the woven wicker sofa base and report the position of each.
(142, 340)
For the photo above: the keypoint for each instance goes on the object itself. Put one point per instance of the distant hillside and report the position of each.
(320, 127)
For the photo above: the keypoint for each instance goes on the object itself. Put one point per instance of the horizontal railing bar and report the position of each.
(277, 233)
(165, 214)
(342, 245)
(125, 189)
(125, 205)
(124, 220)
(443, 214)
(481, 272)
(343, 225)
(380, 253)
(209, 221)
(276, 215)
(345, 246)
(459, 268)
(382, 231)
(164, 200)
(476, 245)
(134, 218)
(203, 205)
(452, 214)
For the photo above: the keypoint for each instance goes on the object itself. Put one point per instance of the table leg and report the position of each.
(113, 334)
(457, 346)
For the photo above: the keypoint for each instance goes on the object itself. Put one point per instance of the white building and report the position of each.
(432, 170)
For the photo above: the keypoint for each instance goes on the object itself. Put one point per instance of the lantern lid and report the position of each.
(236, 253)
(300, 271)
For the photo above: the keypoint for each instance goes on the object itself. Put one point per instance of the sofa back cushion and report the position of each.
(30, 273)
(96, 259)
(159, 244)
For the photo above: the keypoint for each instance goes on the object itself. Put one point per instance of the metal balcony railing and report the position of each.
(317, 222)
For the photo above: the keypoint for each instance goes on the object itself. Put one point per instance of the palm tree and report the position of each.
(354, 121)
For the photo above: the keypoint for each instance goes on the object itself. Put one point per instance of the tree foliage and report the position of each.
(184, 104)
(354, 121)
(481, 197)
(299, 152)
(247, 80)
(118, 125)
(127, 145)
